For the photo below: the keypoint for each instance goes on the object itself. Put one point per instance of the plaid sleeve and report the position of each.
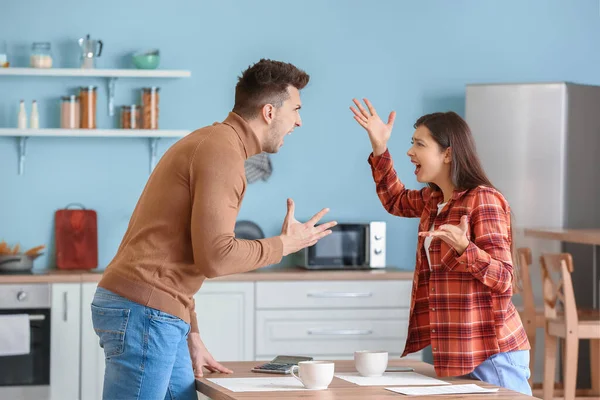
(488, 258)
(394, 197)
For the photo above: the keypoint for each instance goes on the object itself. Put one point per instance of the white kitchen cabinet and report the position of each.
(92, 355)
(225, 313)
(65, 341)
(331, 319)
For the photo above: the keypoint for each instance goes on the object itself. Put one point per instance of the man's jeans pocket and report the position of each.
(110, 325)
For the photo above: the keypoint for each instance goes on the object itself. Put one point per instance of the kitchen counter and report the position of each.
(276, 273)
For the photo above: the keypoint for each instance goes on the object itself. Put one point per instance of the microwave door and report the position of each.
(346, 246)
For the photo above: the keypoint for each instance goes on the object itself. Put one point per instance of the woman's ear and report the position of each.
(448, 155)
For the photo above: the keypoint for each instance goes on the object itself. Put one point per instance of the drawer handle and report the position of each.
(339, 294)
(361, 332)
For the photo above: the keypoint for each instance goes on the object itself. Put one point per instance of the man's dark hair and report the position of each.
(266, 82)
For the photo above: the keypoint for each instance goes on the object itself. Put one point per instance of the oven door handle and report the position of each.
(37, 317)
(65, 306)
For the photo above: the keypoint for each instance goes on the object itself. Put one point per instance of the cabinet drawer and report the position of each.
(333, 294)
(330, 332)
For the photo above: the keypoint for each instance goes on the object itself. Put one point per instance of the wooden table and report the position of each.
(339, 388)
(581, 236)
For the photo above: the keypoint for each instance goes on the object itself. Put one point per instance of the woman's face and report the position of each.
(432, 164)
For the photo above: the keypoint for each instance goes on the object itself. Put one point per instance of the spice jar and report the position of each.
(69, 112)
(41, 55)
(150, 100)
(131, 117)
(87, 101)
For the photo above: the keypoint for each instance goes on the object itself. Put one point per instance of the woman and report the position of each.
(462, 286)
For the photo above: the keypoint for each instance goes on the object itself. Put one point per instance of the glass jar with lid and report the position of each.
(69, 112)
(131, 117)
(87, 101)
(41, 55)
(150, 100)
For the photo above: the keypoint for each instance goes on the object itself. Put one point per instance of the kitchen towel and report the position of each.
(14, 334)
(258, 167)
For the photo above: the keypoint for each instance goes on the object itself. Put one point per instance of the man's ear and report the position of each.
(448, 155)
(268, 113)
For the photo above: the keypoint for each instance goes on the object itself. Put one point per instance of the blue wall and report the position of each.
(414, 57)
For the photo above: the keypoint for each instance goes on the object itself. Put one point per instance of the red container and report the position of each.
(76, 233)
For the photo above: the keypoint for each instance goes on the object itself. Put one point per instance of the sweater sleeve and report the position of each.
(217, 186)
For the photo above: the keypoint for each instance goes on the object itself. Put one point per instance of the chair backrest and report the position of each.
(522, 283)
(558, 293)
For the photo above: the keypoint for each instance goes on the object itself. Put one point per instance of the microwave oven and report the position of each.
(349, 246)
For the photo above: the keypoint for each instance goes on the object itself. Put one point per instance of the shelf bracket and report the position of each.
(153, 143)
(112, 83)
(22, 152)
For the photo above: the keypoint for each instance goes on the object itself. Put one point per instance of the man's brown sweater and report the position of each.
(181, 230)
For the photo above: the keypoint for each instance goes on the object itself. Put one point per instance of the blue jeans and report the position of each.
(146, 350)
(509, 370)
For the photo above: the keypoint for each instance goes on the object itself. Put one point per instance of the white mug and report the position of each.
(370, 363)
(315, 375)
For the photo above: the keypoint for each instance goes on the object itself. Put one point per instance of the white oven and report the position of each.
(27, 376)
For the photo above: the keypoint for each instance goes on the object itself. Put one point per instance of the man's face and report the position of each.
(285, 119)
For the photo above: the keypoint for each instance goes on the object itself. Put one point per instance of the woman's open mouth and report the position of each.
(417, 167)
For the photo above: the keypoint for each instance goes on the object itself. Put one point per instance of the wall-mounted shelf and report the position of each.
(111, 74)
(153, 135)
(98, 73)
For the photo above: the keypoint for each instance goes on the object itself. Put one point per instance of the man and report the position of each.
(181, 232)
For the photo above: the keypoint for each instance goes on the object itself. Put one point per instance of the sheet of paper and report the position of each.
(259, 384)
(391, 379)
(434, 390)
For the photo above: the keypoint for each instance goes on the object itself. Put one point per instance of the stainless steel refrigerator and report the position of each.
(540, 145)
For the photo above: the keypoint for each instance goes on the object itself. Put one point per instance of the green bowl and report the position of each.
(146, 60)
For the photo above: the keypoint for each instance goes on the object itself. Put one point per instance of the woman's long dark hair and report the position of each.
(449, 130)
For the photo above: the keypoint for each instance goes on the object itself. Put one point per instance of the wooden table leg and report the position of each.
(595, 365)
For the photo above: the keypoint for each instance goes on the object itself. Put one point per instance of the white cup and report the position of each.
(370, 363)
(315, 375)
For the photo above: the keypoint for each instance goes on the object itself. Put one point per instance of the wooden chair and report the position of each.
(531, 316)
(565, 322)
